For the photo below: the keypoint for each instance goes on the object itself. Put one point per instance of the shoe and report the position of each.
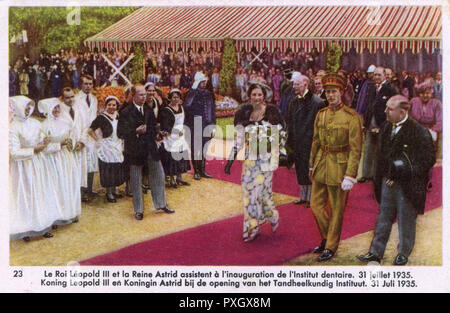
(26, 239)
(85, 199)
(165, 210)
(117, 195)
(321, 247)
(308, 204)
(75, 220)
(93, 193)
(129, 194)
(139, 216)
(54, 226)
(146, 187)
(172, 184)
(47, 235)
(255, 233)
(325, 255)
(400, 260)
(362, 179)
(197, 176)
(369, 257)
(298, 202)
(110, 198)
(182, 182)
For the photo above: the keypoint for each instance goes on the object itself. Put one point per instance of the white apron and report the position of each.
(110, 150)
(176, 142)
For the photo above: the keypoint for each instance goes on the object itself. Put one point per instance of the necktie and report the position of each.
(140, 110)
(72, 113)
(88, 101)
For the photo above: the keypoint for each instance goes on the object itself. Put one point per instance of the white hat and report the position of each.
(112, 97)
(18, 105)
(295, 75)
(148, 84)
(46, 106)
(371, 69)
(198, 78)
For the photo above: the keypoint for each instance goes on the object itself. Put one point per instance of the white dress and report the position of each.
(78, 133)
(66, 173)
(90, 115)
(32, 211)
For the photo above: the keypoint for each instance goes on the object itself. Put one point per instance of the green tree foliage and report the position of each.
(48, 27)
(226, 77)
(137, 64)
(333, 58)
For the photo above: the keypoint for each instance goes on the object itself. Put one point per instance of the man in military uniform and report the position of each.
(335, 154)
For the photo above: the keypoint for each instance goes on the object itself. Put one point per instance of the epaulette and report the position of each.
(349, 110)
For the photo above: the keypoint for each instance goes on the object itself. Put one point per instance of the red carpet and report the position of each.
(220, 243)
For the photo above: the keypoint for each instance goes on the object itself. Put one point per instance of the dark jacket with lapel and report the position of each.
(378, 106)
(137, 147)
(413, 142)
(301, 116)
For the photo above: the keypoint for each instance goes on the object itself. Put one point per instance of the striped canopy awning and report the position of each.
(361, 27)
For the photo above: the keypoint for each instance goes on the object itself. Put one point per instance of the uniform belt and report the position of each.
(335, 149)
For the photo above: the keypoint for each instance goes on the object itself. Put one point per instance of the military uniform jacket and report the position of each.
(336, 146)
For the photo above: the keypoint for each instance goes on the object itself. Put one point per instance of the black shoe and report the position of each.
(197, 176)
(172, 184)
(362, 179)
(400, 260)
(110, 198)
(139, 216)
(54, 226)
(48, 235)
(325, 255)
(165, 210)
(182, 182)
(85, 199)
(26, 239)
(369, 257)
(202, 170)
(299, 202)
(321, 247)
(308, 204)
(75, 220)
(93, 193)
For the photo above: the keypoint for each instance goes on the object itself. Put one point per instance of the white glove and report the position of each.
(347, 183)
(433, 134)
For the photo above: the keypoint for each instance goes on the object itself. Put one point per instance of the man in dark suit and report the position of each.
(137, 127)
(374, 117)
(302, 112)
(405, 155)
(408, 84)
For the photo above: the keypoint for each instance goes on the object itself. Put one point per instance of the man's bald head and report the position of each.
(397, 108)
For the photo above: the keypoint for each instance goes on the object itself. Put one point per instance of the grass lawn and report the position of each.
(221, 128)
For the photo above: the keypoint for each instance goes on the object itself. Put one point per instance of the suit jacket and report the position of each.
(413, 142)
(301, 116)
(378, 106)
(137, 147)
(408, 83)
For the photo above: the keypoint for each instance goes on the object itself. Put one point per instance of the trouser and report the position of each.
(157, 185)
(110, 190)
(305, 193)
(369, 154)
(198, 155)
(394, 203)
(90, 183)
(329, 221)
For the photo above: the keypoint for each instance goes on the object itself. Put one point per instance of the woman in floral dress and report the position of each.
(259, 128)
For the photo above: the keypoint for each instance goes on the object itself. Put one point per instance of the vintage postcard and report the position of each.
(241, 147)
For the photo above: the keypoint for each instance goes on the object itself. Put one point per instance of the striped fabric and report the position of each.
(361, 27)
